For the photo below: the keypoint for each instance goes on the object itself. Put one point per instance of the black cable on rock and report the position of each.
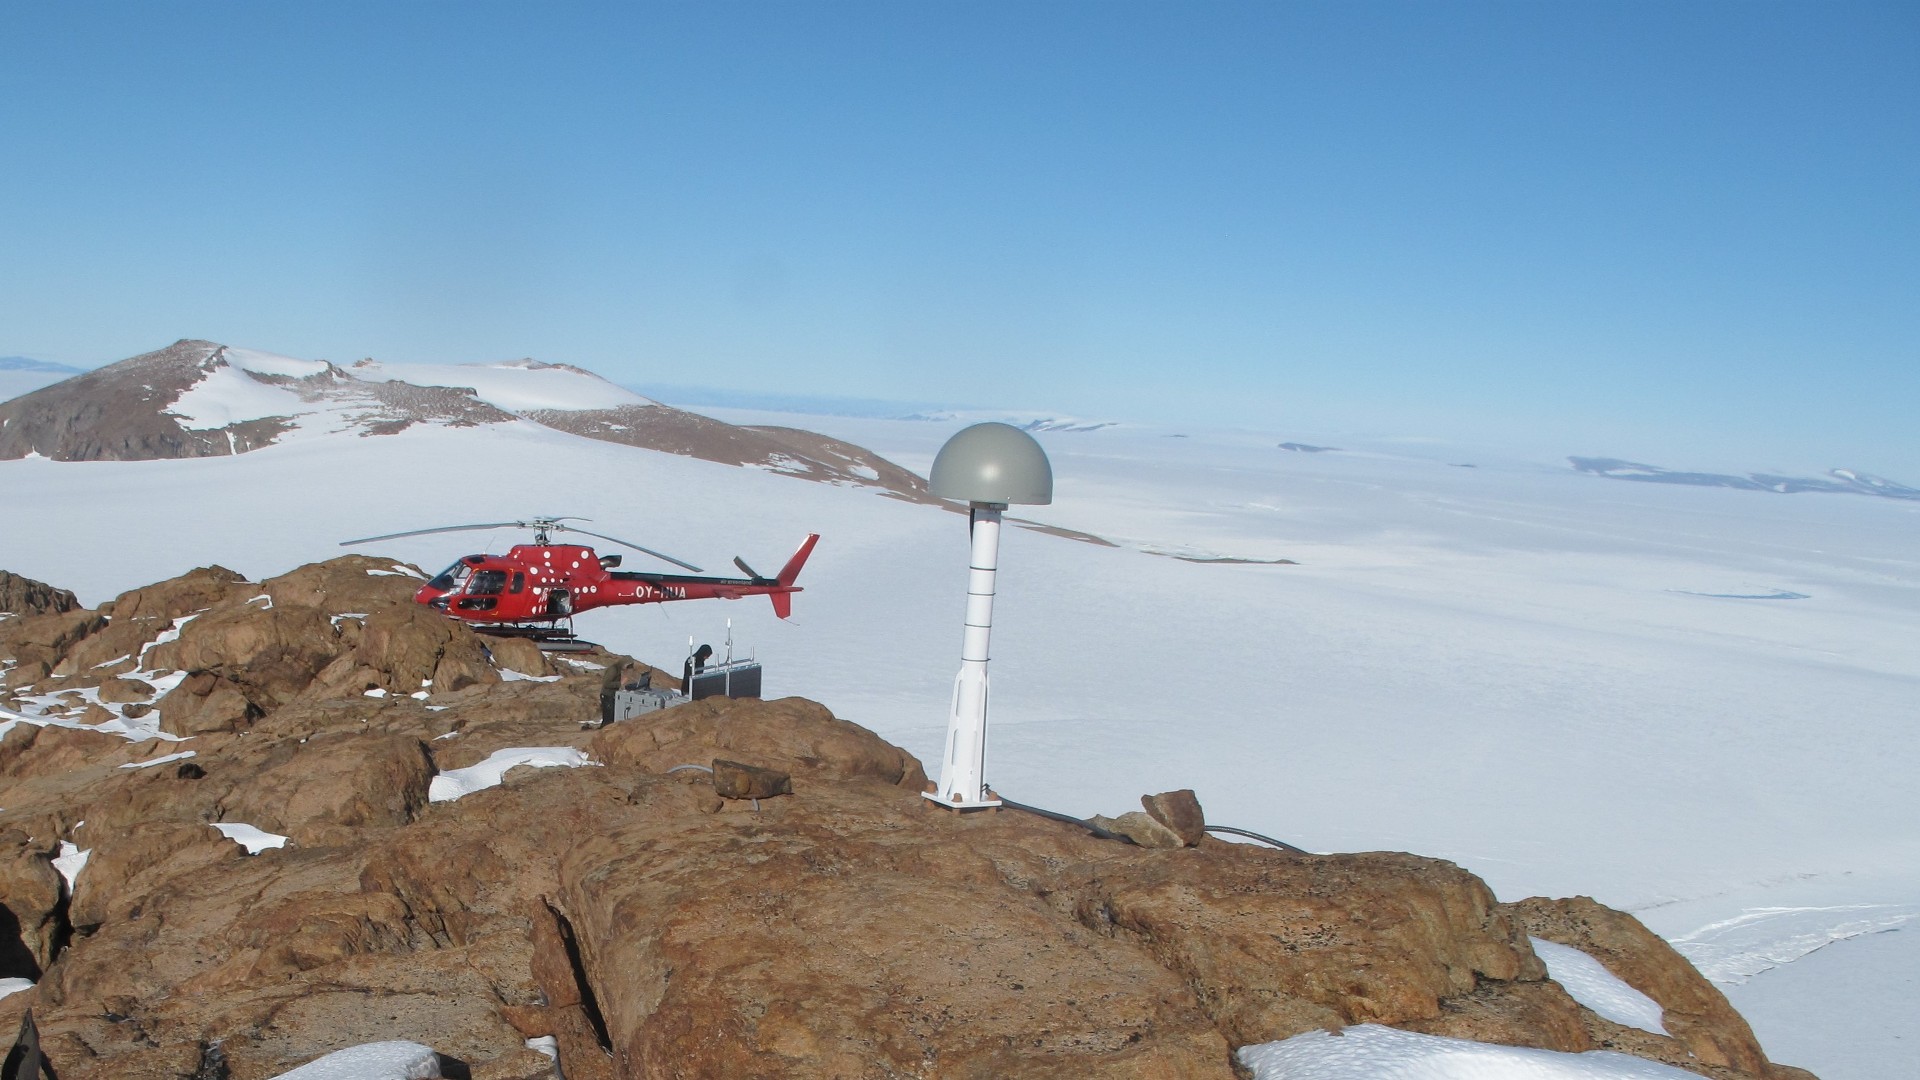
(1108, 834)
(1281, 844)
(1104, 834)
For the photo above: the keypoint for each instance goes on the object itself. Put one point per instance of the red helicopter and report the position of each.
(548, 583)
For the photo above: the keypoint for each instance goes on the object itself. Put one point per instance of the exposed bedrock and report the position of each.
(822, 921)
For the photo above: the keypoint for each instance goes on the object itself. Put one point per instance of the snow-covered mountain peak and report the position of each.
(203, 399)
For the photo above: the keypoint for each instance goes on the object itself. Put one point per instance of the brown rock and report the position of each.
(30, 750)
(806, 951)
(734, 780)
(51, 634)
(195, 590)
(792, 734)
(25, 596)
(331, 786)
(30, 896)
(205, 702)
(522, 1064)
(125, 691)
(1539, 1014)
(272, 654)
(1276, 944)
(411, 646)
(120, 856)
(120, 638)
(1696, 1013)
(1180, 812)
(27, 672)
(1141, 829)
(519, 654)
(350, 584)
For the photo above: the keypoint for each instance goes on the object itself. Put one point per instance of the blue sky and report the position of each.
(1628, 228)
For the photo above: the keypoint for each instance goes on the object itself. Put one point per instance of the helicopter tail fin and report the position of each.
(791, 571)
(783, 600)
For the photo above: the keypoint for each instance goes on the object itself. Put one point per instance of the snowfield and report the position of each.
(1548, 677)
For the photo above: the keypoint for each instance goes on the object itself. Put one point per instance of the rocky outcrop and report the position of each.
(32, 922)
(1705, 1028)
(193, 591)
(25, 596)
(788, 906)
(790, 451)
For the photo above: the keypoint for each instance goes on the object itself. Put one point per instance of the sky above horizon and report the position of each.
(1678, 231)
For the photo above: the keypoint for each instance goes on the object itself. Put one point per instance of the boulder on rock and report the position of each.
(125, 691)
(1140, 828)
(1180, 812)
(519, 654)
(734, 780)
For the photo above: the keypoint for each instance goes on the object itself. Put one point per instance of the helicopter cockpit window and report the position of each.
(451, 578)
(488, 583)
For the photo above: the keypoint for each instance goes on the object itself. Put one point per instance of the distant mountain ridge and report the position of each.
(28, 363)
(199, 398)
(1837, 481)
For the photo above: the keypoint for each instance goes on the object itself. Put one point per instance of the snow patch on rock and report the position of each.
(255, 840)
(454, 783)
(1592, 985)
(396, 1060)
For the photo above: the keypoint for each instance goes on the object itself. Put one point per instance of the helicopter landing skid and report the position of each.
(548, 638)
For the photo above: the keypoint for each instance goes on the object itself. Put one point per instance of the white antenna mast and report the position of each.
(990, 466)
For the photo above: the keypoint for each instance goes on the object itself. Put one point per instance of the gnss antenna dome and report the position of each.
(994, 464)
(991, 466)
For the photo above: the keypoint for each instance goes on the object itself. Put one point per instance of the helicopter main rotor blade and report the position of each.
(747, 570)
(442, 529)
(634, 546)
